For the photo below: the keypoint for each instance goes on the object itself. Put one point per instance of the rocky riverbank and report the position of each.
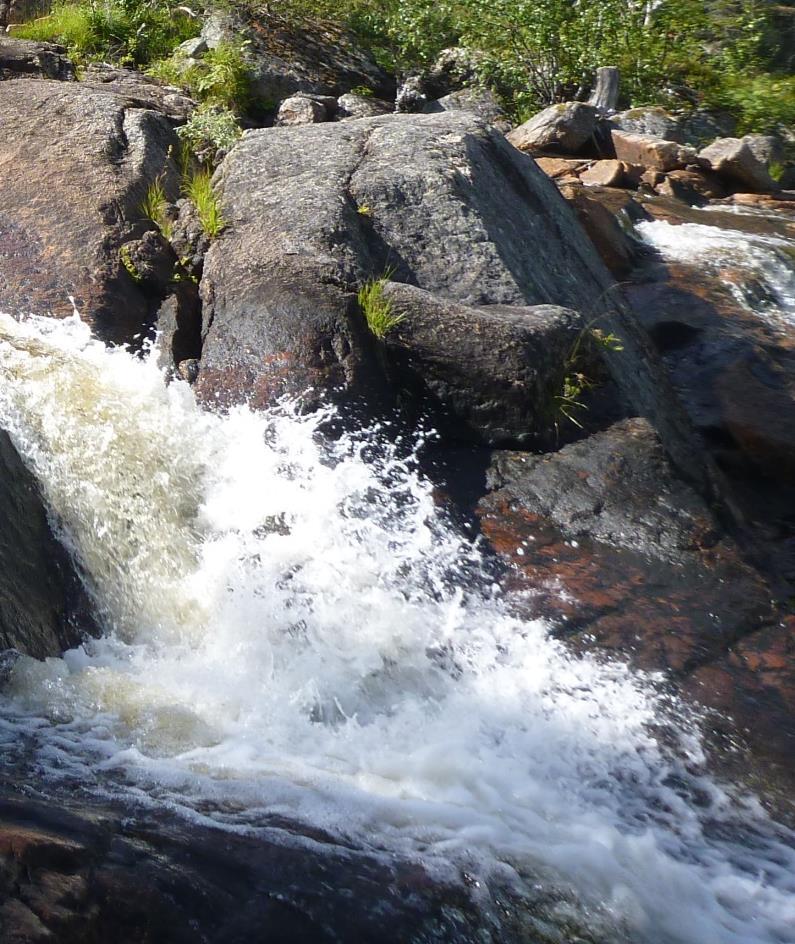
(622, 420)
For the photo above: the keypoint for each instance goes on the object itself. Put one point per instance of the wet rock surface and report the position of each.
(67, 208)
(43, 607)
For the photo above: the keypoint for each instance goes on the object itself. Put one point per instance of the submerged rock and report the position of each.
(44, 607)
(77, 163)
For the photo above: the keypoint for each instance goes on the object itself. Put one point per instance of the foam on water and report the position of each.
(294, 629)
(767, 263)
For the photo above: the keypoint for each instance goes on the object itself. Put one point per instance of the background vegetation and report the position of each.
(737, 55)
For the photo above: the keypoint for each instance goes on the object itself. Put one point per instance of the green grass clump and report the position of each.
(377, 309)
(154, 207)
(123, 32)
(199, 189)
(221, 78)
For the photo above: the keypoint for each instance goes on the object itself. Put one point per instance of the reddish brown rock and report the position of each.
(655, 153)
(619, 253)
(608, 173)
(557, 167)
(692, 186)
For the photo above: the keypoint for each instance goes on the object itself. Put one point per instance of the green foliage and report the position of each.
(761, 103)
(376, 308)
(126, 32)
(578, 377)
(208, 130)
(155, 207)
(129, 265)
(222, 76)
(199, 189)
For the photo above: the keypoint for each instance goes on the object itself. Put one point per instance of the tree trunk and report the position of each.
(605, 93)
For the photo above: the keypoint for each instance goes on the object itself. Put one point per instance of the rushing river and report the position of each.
(292, 627)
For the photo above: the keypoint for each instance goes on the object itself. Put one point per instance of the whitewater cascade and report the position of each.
(292, 627)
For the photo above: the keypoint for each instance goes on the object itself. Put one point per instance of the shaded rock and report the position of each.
(44, 608)
(140, 91)
(285, 58)
(609, 173)
(301, 110)
(604, 96)
(767, 148)
(566, 127)
(692, 186)
(352, 105)
(491, 373)
(650, 152)
(734, 160)
(703, 125)
(98, 155)
(25, 57)
(454, 70)
(480, 102)
(188, 239)
(179, 331)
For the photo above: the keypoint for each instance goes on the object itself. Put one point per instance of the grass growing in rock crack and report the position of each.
(376, 307)
(199, 189)
(575, 380)
(155, 207)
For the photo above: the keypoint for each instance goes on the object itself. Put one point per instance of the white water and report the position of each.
(293, 629)
(767, 263)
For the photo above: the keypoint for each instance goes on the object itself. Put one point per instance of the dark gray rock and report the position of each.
(352, 105)
(140, 91)
(491, 373)
(77, 162)
(734, 160)
(24, 57)
(767, 148)
(617, 486)
(480, 102)
(565, 128)
(285, 58)
(43, 607)
(649, 120)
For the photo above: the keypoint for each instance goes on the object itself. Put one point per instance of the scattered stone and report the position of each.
(566, 127)
(734, 160)
(350, 105)
(64, 239)
(654, 153)
(28, 58)
(188, 239)
(609, 173)
(301, 110)
(489, 373)
(45, 608)
(560, 167)
(480, 102)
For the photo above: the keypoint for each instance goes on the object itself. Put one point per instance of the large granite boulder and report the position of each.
(26, 58)
(43, 607)
(565, 128)
(76, 164)
(284, 58)
(735, 160)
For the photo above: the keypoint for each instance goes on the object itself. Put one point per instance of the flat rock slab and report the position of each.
(75, 164)
(441, 202)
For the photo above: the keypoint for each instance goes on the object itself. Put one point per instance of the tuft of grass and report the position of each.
(568, 403)
(377, 309)
(155, 207)
(199, 189)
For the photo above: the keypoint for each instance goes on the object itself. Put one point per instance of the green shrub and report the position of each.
(199, 190)
(208, 130)
(119, 31)
(376, 308)
(222, 77)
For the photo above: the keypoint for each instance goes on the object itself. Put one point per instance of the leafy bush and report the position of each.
(222, 77)
(125, 32)
(210, 129)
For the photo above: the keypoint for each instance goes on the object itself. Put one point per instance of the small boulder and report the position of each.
(653, 153)
(692, 186)
(559, 168)
(566, 127)
(734, 160)
(352, 105)
(301, 110)
(490, 373)
(609, 173)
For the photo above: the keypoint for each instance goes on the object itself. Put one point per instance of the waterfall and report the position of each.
(293, 628)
